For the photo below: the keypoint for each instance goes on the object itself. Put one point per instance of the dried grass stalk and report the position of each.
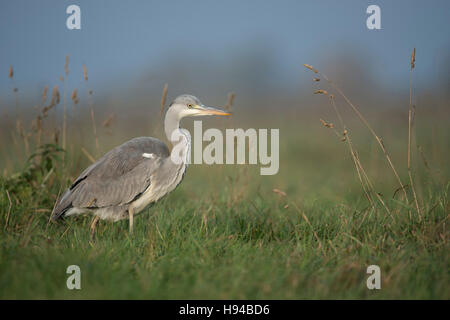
(368, 126)
(55, 96)
(230, 101)
(410, 127)
(326, 124)
(75, 96)
(66, 66)
(413, 59)
(163, 99)
(44, 95)
(85, 73)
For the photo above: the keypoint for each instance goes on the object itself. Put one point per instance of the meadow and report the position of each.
(310, 232)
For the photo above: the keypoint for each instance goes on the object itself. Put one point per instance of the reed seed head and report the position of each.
(310, 68)
(46, 109)
(85, 73)
(344, 135)
(11, 71)
(107, 123)
(281, 193)
(55, 96)
(326, 124)
(75, 96)
(66, 65)
(44, 94)
(320, 91)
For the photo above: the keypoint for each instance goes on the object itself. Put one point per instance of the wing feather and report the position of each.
(117, 178)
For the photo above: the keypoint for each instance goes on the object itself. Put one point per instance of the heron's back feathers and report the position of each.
(116, 179)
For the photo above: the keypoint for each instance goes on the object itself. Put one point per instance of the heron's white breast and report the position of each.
(160, 187)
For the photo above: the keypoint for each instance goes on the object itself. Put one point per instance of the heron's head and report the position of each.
(190, 106)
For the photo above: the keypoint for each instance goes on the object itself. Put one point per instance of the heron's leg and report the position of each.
(93, 225)
(131, 216)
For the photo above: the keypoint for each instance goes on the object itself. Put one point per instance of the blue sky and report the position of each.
(122, 42)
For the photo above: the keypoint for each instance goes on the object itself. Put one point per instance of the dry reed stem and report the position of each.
(370, 185)
(22, 133)
(66, 66)
(44, 95)
(355, 158)
(91, 105)
(367, 185)
(53, 102)
(40, 117)
(65, 232)
(94, 128)
(368, 126)
(380, 143)
(163, 99)
(55, 96)
(88, 155)
(66, 72)
(413, 59)
(9, 210)
(162, 103)
(359, 167)
(410, 125)
(230, 101)
(85, 73)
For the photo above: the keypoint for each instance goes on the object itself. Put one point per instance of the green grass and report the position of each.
(223, 234)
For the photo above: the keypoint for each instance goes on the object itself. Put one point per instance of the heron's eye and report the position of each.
(189, 105)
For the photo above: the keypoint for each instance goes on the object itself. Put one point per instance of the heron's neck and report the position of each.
(180, 138)
(171, 125)
(174, 167)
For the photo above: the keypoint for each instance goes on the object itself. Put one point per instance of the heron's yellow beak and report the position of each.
(205, 110)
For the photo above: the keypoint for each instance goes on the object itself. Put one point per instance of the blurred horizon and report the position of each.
(254, 49)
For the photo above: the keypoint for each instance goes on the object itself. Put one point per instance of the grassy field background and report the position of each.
(226, 232)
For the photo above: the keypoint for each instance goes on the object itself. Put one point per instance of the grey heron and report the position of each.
(135, 174)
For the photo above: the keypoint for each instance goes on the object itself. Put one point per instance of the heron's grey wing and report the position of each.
(117, 178)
